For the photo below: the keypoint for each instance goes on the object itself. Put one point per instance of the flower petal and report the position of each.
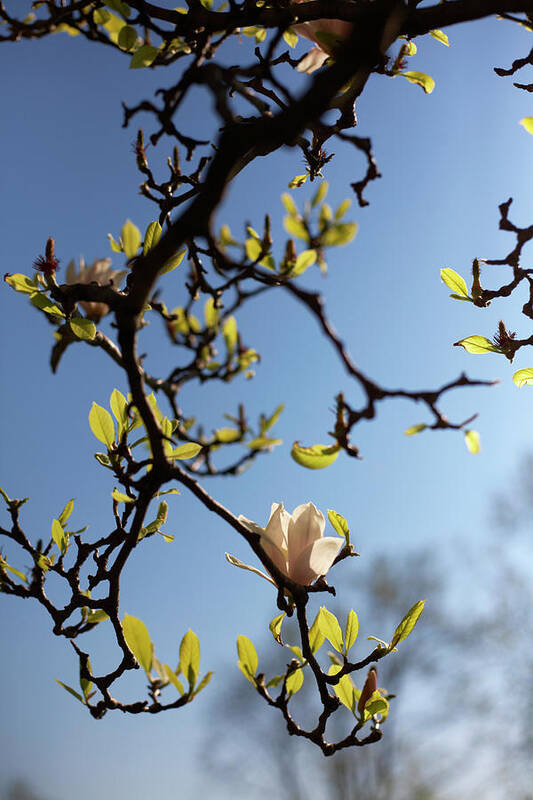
(306, 525)
(315, 560)
(253, 527)
(236, 563)
(312, 61)
(277, 527)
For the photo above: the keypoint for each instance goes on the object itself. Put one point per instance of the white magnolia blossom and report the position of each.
(98, 272)
(334, 30)
(295, 543)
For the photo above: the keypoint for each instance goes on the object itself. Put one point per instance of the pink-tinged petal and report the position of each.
(312, 61)
(315, 560)
(277, 528)
(253, 527)
(306, 525)
(278, 556)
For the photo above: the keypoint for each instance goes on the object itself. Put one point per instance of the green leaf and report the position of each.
(269, 422)
(144, 56)
(152, 236)
(173, 262)
(120, 497)
(290, 206)
(296, 227)
(523, 377)
(454, 281)
(340, 524)
(71, 691)
(340, 233)
(119, 6)
(59, 536)
(440, 36)
(342, 209)
(119, 407)
(294, 682)
(376, 704)
(188, 450)
(229, 331)
(173, 678)
(248, 660)
(203, 683)
(527, 123)
(127, 38)
(131, 237)
(415, 429)
(411, 48)
(67, 511)
(190, 657)
(41, 301)
(225, 236)
(407, 624)
(5, 496)
(83, 328)
(226, 435)
(352, 629)
(317, 456)
(298, 181)
(20, 283)
(102, 426)
(263, 443)
(290, 37)
(104, 460)
(344, 689)
(95, 616)
(305, 259)
(138, 640)
(316, 637)
(330, 628)
(320, 193)
(478, 344)
(275, 627)
(9, 568)
(420, 79)
(210, 313)
(253, 248)
(472, 441)
(115, 246)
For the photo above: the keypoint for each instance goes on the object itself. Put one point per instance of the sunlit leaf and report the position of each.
(527, 123)
(41, 301)
(316, 637)
(20, 283)
(352, 629)
(275, 627)
(138, 640)
(173, 262)
(472, 441)
(263, 443)
(407, 624)
(295, 226)
(440, 36)
(304, 260)
(415, 429)
(173, 678)
(454, 281)
(131, 238)
(317, 456)
(190, 657)
(152, 236)
(120, 497)
(101, 424)
(330, 628)
(248, 660)
(59, 536)
(229, 331)
(67, 511)
(478, 344)
(290, 37)
(71, 691)
(340, 233)
(298, 181)
(83, 328)
(344, 689)
(188, 450)
(339, 523)
(144, 56)
(523, 377)
(420, 79)
(294, 682)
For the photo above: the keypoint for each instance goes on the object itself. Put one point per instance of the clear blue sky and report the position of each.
(447, 161)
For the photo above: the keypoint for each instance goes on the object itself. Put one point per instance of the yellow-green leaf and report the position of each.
(344, 689)
(120, 497)
(67, 511)
(144, 56)
(454, 281)
(248, 660)
(59, 536)
(188, 450)
(523, 377)
(320, 193)
(119, 407)
(275, 627)
(83, 328)
(263, 443)
(41, 301)
(317, 456)
(127, 38)
(304, 260)
(210, 313)
(190, 657)
(290, 206)
(138, 640)
(407, 624)
(339, 523)
(101, 424)
(229, 331)
(294, 682)
(131, 238)
(296, 227)
(316, 637)
(440, 36)
(20, 283)
(152, 236)
(173, 262)
(298, 181)
(472, 441)
(478, 344)
(352, 629)
(527, 123)
(226, 435)
(290, 37)
(330, 628)
(340, 233)
(420, 79)
(173, 678)
(253, 248)
(415, 429)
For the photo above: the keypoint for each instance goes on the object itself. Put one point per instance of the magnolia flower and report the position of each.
(327, 34)
(99, 272)
(295, 543)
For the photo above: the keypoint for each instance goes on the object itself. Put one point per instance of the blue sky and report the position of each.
(447, 161)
